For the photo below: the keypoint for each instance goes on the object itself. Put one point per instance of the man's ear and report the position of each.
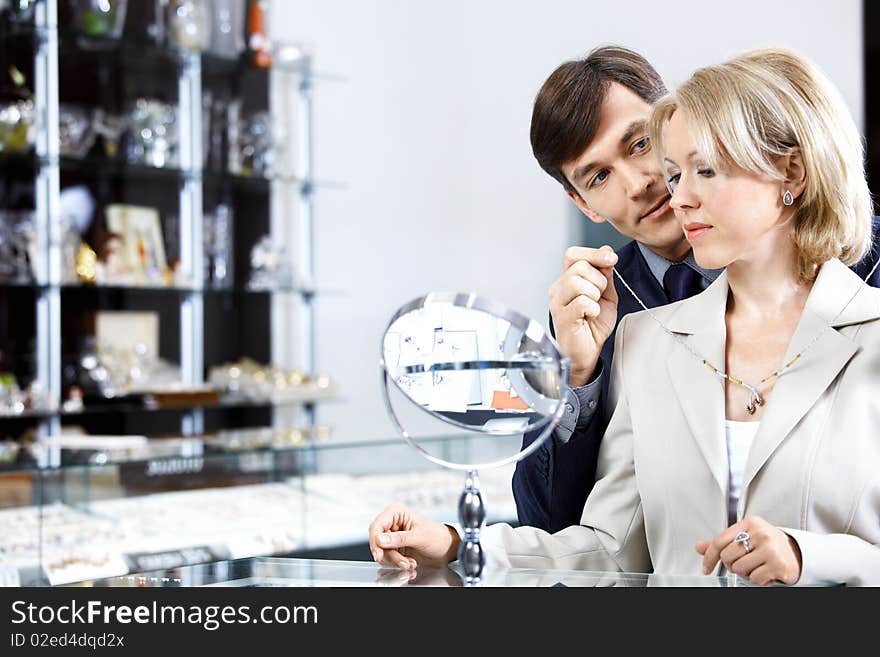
(791, 166)
(583, 207)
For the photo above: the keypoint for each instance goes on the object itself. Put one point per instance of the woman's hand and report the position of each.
(773, 555)
(403, 538)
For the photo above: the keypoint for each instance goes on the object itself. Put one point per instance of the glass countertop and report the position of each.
(285, 572)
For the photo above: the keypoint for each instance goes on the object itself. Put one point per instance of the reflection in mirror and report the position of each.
(494, 373)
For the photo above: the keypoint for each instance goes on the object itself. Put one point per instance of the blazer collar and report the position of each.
(835, 286)
(700, 322)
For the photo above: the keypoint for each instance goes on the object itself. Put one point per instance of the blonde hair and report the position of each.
(757, 107)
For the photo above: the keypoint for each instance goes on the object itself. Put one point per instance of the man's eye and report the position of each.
(599, 178)
(641, 145)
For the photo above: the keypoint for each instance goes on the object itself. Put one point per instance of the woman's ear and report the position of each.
(791, 166)
(583, 207)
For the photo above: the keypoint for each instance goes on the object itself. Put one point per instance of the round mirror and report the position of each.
(477, 366)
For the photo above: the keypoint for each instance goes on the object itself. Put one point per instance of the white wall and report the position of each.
(430, 133)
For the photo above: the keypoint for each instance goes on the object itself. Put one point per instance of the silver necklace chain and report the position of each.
(755, 398)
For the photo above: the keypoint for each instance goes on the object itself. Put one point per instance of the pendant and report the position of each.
(755, 400)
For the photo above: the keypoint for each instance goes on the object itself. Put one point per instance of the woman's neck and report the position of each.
(766, 285)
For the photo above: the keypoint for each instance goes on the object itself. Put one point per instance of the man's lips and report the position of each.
(658, 210)
(694, 230)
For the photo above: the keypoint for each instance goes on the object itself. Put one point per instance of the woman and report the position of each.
(772, 472)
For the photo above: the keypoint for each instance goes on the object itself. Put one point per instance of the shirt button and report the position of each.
(569, 408)
(591, 404)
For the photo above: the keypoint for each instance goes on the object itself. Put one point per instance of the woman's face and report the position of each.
(726, 216)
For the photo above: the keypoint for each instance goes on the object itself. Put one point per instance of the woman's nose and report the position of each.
(682, 197)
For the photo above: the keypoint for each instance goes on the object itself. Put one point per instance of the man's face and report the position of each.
(619, 180)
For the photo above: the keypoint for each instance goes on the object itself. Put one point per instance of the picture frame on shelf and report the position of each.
(144, 248)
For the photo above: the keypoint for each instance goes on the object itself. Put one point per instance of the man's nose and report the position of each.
(637, 181)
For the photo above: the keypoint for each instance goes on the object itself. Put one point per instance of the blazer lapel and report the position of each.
(699, 322)
(798, 389)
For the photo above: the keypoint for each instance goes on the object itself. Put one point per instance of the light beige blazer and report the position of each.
(813, 469)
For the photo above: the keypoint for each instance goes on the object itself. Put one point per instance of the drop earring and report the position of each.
(787, 198)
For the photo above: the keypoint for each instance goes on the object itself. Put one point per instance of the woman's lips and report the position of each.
(657, 212)
(694, 230)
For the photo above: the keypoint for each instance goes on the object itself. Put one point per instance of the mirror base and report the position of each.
(471, 514)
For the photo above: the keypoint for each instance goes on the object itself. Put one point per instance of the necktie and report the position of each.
(681, 282)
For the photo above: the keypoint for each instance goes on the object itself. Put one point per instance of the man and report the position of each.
(588, 132)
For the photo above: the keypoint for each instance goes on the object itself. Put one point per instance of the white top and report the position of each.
(740, 436)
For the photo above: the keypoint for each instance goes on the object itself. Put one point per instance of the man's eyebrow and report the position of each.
(632, 130)
(582, 171)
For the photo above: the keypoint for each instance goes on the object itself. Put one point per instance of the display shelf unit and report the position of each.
(202, 326)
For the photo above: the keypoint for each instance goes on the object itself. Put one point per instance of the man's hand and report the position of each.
(403, 538)
(773, 555)
(583, 304)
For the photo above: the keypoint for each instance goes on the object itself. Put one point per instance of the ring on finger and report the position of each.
(743, 538)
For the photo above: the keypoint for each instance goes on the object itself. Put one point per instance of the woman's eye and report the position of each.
(707, 173)
(672, 181)
(599, 178)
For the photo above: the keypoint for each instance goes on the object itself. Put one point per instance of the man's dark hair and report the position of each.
(567, 109)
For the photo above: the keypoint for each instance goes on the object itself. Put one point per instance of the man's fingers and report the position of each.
(604, 257)
(610, 291)
(583, 306)
(575, 286)
(702, 546)
(585, 270)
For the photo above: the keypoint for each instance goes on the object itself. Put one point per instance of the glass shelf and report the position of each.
(91, 166)
(83, 288)
(293, 290)
(96, 166)
(126, 50)
(28, 415)
(211, 447)
(263, 183)
(13, 285)
(142, 50)
(144, 407)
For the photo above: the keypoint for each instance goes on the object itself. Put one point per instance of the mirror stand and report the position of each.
(471, 514)
(449, 354)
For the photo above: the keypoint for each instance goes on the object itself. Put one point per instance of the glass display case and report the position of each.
(272, 572)
(112, 506)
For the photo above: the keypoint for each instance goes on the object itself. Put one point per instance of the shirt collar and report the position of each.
(660, 265)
